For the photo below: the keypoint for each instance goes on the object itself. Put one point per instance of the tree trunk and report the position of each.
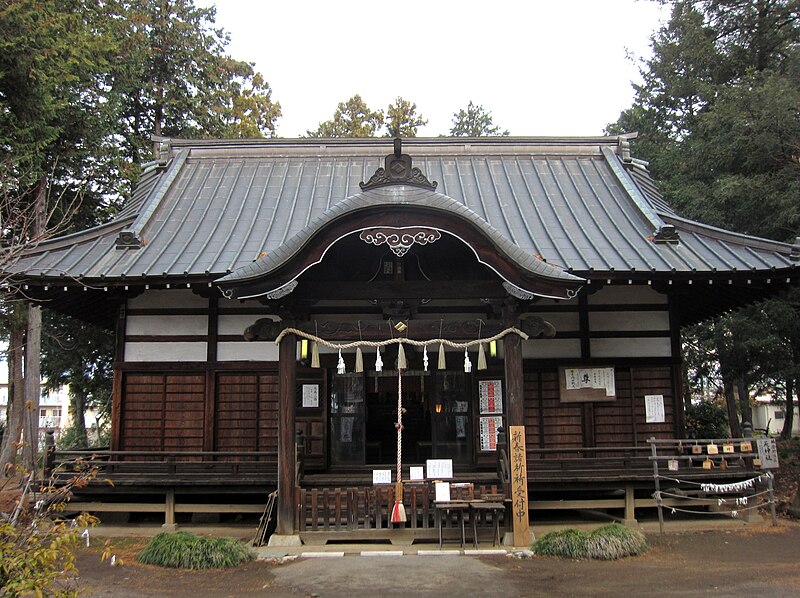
(788, 421)
(16, 394)
(733, 412)
(33, 345)
(687, 389)
(743, 390)
(78, 406)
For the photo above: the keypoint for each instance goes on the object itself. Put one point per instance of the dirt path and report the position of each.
(716, 563)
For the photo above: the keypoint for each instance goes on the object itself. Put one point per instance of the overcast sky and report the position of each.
(542, 67)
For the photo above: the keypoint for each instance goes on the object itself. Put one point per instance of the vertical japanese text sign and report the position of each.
(519, 486)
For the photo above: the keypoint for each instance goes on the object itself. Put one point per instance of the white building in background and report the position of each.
(768, 417)
(53, 407)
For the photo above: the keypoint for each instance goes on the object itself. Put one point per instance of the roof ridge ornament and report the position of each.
(397, 170)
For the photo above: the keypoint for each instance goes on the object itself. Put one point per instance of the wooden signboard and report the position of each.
(586, 384)
(519, 486)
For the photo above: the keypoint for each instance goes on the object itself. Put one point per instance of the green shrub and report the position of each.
(615, 541)
(609, 542)
(570, 543)
(709, 419)
(187, 551)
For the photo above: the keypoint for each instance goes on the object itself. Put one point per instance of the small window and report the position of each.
(779, 415)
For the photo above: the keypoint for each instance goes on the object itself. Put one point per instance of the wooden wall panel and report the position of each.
(548, 422)
(162, 412)
(247, 412)
(654, 381)
(613, 421)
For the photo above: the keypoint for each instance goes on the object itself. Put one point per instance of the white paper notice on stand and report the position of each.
(439, 469)
(416, 474)
(442, 491)
(654, 409)
(381, 476)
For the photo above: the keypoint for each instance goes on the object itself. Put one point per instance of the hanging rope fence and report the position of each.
(399, 340)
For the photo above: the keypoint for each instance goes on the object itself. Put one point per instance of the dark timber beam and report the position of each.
(286, 450)
(512, 351)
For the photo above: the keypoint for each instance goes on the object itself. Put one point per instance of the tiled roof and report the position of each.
(218, 205)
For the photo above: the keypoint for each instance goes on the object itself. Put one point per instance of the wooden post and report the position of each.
(519, 486)
(514, 393)
(630, 504)
(286, 441)
(169, 511)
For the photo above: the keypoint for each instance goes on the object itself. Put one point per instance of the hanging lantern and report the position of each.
(359, 360)
(442, 363)
(314, 355)
(401, 357)
(378, 362)
(481, 357)
(425, 357)
(340, 369)
(467, 363)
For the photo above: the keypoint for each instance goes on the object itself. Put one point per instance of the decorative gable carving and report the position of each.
(398, 170)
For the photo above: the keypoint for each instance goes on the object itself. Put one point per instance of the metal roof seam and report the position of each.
(246, 237)
(97, 242)
(200, 220)
(263, 245)
(658, 252)
(600, 229)
(464, 200)
(142, 252)
(478, 188)
(313, 193)
(741, 259)
(515, 197)
(499, 197)
(710, 249)
(758, 256)
(630, 186)
(158, 193)
(227, 237)
(572, 212)
(536, 208)
(293, 207)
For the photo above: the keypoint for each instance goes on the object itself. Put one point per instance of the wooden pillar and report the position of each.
(287, 375)
(169, 511)
(117, 386)
(514, 390)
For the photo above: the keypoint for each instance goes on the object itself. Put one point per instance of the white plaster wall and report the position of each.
(630, 347)
(237, 323)
(563, 321)
(169, 351)
(168, 299)
(626, 294)
(630, 320)
(546, 348)
(247, 351)
(166, 325)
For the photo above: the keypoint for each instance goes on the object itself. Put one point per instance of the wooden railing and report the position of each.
(370, 507)
(171, 467)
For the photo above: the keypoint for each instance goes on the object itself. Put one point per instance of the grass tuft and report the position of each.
(570, 543)
(609, 542)
(615, 541)
(187, 551)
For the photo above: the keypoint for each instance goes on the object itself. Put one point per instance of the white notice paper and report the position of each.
(442, 491)
(381, 476)
(311, 395)
(439, 469)
(416, 473)
(654, 409)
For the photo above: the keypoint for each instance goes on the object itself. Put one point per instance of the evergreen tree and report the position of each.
(352, 118)
(402, 119)
(474, 121)
(719, 121)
